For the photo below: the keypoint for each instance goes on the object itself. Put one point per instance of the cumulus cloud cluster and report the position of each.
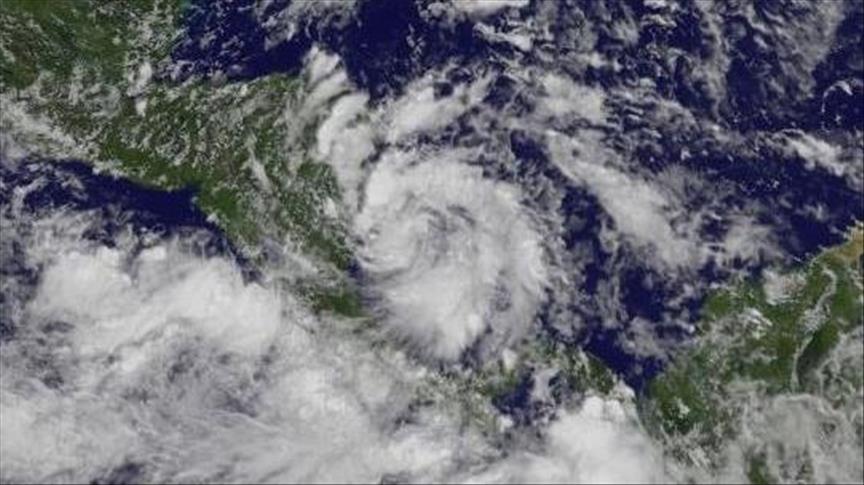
(164, 365)
(445, 242)
(161, 365)
(452, 253)
(598, 443)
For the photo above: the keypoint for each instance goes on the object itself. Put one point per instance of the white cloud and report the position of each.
(640, 209)
(799, 437)
(815, 152)
(21, 130)
(162, 365)
(482, 8)
(346, 141)
(418, 110)
(564, 97)
(598, 443)
(114, 309)
(520, 39)
(451, 252)
(344, 137)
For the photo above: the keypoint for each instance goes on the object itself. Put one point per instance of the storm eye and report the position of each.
(127, 472)
(502, 299)
(446, 234)
(57, 326)
(435, 242)
(183, 363)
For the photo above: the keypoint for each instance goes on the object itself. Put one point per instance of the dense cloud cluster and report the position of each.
(508, 169)
(138, 351)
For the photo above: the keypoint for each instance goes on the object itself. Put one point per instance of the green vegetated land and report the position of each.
(89, 71)
(755, 343)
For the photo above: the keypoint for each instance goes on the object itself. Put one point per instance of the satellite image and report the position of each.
(431, 241)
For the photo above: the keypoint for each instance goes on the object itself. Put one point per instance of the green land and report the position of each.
(755, 344)
(76, 81)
